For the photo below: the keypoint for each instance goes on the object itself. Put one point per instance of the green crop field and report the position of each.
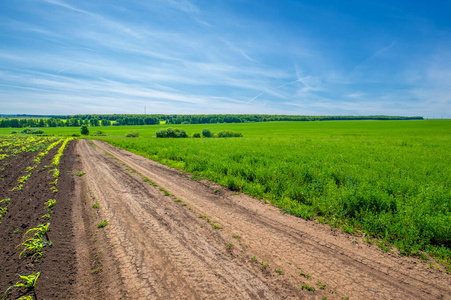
(389, 180)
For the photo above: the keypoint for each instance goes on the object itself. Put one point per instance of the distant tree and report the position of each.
(84, 130)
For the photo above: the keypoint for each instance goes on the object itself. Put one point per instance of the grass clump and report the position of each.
(132, 134)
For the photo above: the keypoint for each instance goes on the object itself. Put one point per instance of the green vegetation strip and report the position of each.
(390, 180)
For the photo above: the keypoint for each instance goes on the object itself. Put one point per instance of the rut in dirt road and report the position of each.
(168, 249)
(159, 246)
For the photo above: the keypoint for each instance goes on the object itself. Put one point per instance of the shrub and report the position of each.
(182, 134)
(229, 133)
(161, 133)
(207, 133)
(32, 131)
(196, 135)
(100, 133)
(84, 130)
(132, 134)
(171, 133)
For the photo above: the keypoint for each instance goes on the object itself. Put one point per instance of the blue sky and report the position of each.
(226, 56)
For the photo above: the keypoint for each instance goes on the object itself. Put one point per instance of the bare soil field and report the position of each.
(170, 236)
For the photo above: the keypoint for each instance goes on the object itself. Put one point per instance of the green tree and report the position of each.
(84, 130)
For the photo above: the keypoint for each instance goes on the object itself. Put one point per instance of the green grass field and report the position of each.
(390, 180)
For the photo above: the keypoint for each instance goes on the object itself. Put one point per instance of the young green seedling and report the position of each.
(28, 282)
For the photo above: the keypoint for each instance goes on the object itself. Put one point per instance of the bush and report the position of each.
(207, 133)
(161, 133)
(32, 131)
(229, 133)
(132, 134)
(13, 132)
(100, 133)
(196, 135)
(171, 133)
(84, 130)
(182, 134)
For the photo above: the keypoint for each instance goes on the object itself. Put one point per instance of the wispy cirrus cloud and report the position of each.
(234, 56)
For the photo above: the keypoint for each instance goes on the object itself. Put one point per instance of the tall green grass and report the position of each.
(391, 180)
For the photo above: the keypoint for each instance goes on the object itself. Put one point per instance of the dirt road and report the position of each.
(217, 244)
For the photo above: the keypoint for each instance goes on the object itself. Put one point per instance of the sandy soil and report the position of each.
(158, 247)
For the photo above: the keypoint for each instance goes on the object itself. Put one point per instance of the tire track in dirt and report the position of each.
(347, 267)
(160, 248)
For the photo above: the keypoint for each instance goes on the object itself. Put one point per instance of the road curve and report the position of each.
(203, 241)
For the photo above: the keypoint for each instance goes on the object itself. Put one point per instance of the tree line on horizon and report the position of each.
(21, 121)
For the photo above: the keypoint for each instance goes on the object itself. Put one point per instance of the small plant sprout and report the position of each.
(236, 236)
(217, 227)
(47, 215)
(39, 231)
(279, 271)
(96, 205)
(102, 224)
(81, 174)
(28, 282)
(50, 203)
(96, 270)
(307, 287)
(230, 245)
(321, 285)
(305, 274)
(28, 297)
(7, 200)
(253, 259)
(264, 265)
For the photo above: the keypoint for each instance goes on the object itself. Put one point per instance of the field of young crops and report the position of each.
(390, 180)
(30, 170)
